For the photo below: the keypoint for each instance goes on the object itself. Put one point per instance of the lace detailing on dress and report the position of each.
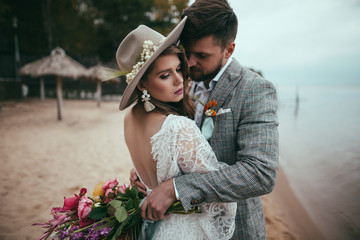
(180, 148)
(180, 143)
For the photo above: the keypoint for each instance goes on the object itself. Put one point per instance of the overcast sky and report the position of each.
(300, 42)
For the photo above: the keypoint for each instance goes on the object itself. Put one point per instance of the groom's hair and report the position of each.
(210, 17)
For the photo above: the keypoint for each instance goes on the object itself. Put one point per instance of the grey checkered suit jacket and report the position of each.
(245, 138)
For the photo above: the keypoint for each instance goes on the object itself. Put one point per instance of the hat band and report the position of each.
(148, 50)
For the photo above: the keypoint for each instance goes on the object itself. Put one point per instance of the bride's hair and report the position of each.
(185, 107)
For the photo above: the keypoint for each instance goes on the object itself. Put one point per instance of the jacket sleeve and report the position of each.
(257, 155)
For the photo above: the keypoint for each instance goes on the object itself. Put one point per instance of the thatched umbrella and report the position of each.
(58, 64)
(102, 74)
(95, 72)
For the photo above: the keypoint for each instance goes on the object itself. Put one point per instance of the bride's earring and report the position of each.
(145, 98)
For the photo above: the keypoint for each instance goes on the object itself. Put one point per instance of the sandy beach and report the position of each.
(43, 160)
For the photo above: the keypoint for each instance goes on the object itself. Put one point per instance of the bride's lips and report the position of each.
(179, 92)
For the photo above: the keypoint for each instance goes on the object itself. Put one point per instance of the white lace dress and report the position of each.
(180, 148)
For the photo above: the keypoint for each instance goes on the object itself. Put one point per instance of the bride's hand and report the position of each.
(159, 201)
(135, 181)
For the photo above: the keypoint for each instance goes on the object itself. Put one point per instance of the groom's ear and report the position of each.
(229, 50)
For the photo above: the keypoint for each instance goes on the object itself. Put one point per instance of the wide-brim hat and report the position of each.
(130, 49)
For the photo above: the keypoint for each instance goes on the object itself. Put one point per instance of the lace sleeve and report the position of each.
(195, 153)
(179, 147)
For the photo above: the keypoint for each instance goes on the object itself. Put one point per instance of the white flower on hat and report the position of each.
(147, 52)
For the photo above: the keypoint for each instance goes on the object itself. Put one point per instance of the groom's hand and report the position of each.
(158, 201)
(135, 181)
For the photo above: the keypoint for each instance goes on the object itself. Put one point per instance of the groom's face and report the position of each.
(206, 58)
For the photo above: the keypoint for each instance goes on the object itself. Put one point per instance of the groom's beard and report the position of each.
(200, 76)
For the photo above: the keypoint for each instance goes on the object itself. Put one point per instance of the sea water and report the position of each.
(320, 153)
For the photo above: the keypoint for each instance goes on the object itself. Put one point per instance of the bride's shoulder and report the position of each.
(136, 113)
(179, 119)
(176, 122)
(176, 127)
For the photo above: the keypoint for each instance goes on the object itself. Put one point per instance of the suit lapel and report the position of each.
(227, 82)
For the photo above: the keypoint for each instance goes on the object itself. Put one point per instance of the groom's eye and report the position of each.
(201, 55)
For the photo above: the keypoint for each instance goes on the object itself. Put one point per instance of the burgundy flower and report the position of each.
(73, 202)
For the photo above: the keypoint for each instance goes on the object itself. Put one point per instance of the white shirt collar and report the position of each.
(217, 77)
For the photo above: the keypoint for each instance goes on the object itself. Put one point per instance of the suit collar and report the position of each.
(226, 84)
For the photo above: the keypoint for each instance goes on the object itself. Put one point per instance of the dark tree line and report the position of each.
(81, 27)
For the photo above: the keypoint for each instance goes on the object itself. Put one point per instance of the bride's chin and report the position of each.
(180, 98)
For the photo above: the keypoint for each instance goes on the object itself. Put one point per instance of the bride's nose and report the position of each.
(178, 78)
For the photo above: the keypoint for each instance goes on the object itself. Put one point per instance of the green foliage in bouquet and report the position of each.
(122, 214)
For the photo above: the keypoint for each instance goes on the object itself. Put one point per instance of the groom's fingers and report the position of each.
(165, 216)
(160, 199)
(150, 212)
(143, 209)
(145, 213)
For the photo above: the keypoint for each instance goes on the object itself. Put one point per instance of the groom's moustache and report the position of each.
(195, 69)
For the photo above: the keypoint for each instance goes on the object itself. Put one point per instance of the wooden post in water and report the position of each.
(59, 96)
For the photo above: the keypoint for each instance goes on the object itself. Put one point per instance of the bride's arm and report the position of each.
(194, 151)
(194, 154)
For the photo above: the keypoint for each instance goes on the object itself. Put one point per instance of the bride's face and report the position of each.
(165, 81)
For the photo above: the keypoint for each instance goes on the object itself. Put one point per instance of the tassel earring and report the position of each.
(148, 106)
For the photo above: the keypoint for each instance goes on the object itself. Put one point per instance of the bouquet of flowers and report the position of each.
(111, 213)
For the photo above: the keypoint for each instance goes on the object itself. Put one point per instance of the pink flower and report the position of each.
(123, 187)
(110, 184)
(109, 195)
(84, 210)
(73, 202)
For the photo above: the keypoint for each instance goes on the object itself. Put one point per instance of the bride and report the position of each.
(162, 139)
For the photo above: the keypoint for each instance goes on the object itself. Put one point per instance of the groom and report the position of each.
(245, 135)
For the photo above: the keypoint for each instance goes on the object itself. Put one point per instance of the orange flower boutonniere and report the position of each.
(207, 108)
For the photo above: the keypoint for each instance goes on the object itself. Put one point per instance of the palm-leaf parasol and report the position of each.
(58, 64)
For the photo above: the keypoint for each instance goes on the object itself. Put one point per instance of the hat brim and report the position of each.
(129, 95)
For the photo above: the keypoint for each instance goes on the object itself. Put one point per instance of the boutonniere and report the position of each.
(207, 127)
(207, 108)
